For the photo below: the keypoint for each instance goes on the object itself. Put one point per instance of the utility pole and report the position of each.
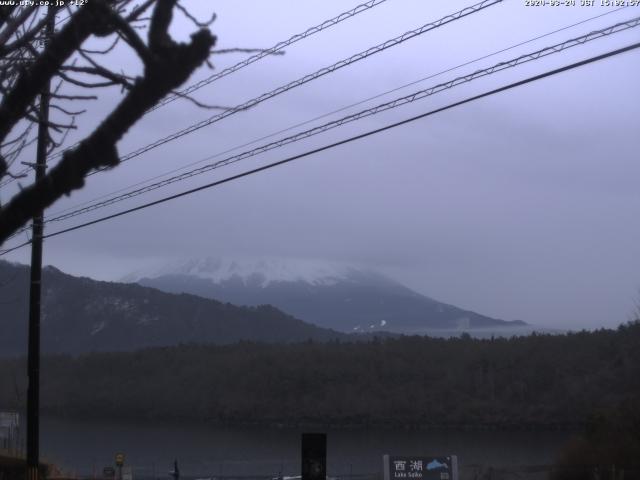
(33, 366)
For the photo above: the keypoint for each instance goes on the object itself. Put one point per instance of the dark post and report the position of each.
(33, 367)
(175, 474)
(314, 456)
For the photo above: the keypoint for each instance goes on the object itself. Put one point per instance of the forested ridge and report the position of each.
(81, 315)
(539, 381)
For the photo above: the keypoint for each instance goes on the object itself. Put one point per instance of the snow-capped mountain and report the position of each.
(342, 297)
(260, 272)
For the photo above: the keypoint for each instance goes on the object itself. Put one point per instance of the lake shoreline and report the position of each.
(575, 428)
(205, 450)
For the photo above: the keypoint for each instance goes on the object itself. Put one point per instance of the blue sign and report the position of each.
(420, 468)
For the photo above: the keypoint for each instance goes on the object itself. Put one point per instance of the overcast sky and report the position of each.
(523, 205)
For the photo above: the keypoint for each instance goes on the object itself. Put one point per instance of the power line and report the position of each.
(421, 94)
(307, 78)
(356, 137)
(345, 141)
(310, 77)
(240, 65)
(9, 250)
(341, 109)
(276, 48)
(372, 111)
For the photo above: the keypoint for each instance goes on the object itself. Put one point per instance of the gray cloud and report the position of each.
(522, 205)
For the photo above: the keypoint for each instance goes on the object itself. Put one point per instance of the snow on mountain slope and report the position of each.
(342, 297)
(263, 271)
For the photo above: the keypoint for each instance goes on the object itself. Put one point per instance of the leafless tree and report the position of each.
(32, 56)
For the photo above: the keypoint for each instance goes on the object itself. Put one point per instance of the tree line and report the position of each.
(538, 381)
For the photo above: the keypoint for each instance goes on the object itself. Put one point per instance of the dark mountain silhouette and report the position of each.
(83, 315)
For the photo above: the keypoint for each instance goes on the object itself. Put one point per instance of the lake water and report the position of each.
(207, 451)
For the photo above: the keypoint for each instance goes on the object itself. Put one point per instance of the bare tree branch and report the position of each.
(101, 52)
(58, 127)
(73, 97)
(67, 112)
(198, 103)
(13, 25)
(169, 65)
(61, 47)
(83, 84)
(129, 35)
(138, 11)
(159, 27)
(194, 20)
(28, 36)
(5, 13)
